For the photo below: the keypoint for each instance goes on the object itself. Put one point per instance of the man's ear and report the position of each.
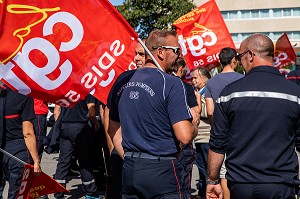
(251, 53)
(160, 54)
(233, 63)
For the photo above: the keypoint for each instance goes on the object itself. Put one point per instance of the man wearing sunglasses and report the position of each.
(256, 121)
(152, 112)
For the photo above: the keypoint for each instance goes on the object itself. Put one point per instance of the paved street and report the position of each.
(74, 185)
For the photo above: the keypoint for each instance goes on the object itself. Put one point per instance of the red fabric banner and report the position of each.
(33, 186)
(61, 50)
(284, 52)
(202, 33)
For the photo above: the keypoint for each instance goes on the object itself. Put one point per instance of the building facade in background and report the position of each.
(270, 17)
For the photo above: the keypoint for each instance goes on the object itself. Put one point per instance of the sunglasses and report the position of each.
(239, 56)
(176, 50)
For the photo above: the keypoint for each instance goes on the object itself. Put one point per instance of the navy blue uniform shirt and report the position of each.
(18, 108)
(255, 122)
(151, 102)
(191, 97)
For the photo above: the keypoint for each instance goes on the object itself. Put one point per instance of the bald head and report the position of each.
(256, 50)
(261, 45)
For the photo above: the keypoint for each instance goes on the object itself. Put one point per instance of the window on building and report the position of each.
(264, 14)
(296, 35)
(238, 37)
(287, 12)
(245, 14)
(235, 37)
(233, 15)
(296, 11)
(254, 14)
(277, 12)
(224, 15)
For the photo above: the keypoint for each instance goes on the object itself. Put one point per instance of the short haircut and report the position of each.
(226, 55)
(179, 62)
(261, 44)
(203, 72)
(158, 38)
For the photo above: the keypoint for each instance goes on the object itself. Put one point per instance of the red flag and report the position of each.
(33, 186)
(60, 50)
(202, 34)
(284, 52)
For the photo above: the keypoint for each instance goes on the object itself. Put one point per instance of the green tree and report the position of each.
(147, 15)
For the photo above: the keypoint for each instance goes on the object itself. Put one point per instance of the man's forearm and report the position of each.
(215, 161)
(106, 122)
(115, 133)
(30, 140)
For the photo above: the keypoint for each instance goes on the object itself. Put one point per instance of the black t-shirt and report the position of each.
(18, 108)
(79, 112)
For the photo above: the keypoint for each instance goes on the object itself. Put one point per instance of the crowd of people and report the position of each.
(240, 130)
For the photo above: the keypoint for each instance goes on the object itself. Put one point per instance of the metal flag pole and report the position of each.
(150, 54)
(14, 157)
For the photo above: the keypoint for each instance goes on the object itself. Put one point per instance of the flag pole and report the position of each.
(150, 54)
(14, 157)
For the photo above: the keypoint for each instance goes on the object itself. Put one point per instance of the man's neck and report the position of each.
(227, 69)
(150, 64)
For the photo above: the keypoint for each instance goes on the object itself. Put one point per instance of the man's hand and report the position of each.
(214, 191)
(37, 168)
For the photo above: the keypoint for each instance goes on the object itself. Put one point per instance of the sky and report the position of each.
(116, 2)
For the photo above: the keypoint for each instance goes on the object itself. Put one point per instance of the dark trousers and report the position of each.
(13, 169)
(201, 162)
(75, 138)
(114, 180)
(40, 129)
(186, 158)
(101, 157)
(151, 179)
(260, 191)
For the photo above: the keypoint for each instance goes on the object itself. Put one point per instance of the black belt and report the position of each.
(148, 156)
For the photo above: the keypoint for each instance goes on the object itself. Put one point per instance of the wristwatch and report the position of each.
(213, 182)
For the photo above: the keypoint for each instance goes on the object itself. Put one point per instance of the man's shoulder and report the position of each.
(126, 74)
(17, 96)
(294, 73)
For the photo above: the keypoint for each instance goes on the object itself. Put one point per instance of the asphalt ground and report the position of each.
(49, 162)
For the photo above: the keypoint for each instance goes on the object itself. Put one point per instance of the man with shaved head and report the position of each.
(257, 124)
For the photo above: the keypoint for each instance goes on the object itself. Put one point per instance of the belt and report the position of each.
(148, 156)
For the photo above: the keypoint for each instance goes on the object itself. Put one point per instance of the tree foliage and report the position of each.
(147, 15)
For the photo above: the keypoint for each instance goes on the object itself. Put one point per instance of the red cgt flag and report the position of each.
(61, 50)
(202, 34)
(33, 186)
(284, 52)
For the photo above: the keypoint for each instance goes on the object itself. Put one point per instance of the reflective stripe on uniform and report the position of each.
(88, 182)
(264, 94)
(11, 116)
(61, 181)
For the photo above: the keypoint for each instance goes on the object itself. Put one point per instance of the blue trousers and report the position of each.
(75, 138)
(201, 162)
(114, 181)
(150, 178)
(186, 158)
(263, 191)
(13, 169)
